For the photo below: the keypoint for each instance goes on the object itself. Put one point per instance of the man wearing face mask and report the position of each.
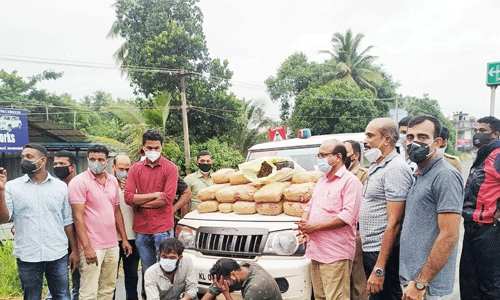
(201, 179)
(480, 261)
(95, 199)
(352, 160)
(403, 128)
(150, 189)
(121, 166)
(451, 159)
(250, 278)
(173, 276)
(329, 221)
(39, 205)
(382, 209)
(358, 276)
(432, 216)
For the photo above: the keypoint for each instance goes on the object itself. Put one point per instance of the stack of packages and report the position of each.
(298, 194)
(234, 192)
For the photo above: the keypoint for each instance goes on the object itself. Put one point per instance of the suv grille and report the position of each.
(231, 242)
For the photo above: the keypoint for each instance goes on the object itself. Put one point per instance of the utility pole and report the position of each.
(47, 112)
(492, 103)
(397, 111)
(74, 119)
(184, 118)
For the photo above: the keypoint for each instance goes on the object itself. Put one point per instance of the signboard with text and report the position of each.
(13, 130)
(493, 74)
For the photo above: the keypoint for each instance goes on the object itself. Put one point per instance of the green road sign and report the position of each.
(493, 74)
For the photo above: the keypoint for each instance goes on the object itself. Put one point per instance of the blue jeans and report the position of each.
(75, 291)
(56, 273)
(148, 245)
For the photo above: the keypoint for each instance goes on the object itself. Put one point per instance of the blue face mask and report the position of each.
(323, 165)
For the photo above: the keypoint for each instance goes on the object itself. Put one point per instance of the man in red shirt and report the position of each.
(150, 190)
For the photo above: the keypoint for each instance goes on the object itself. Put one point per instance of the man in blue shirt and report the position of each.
(39, 205)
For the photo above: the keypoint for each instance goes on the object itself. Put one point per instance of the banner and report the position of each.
(13, 130)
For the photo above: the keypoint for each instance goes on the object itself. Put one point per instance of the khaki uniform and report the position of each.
(358, 276)
(454, 161)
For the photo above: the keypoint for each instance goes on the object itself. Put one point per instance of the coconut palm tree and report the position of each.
(348, 63)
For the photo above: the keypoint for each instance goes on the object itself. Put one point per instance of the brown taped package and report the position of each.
(208, 206)
(272, 192)
(222, 176)
(270, 209)
(225, 207)
(238, 178)
(295, 209)
(208, 193)
(244, 207)
(309, 176)
(301, 192)
(235, 193)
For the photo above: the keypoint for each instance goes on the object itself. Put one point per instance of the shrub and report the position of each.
(10, 285)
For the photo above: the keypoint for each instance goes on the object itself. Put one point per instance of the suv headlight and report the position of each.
(283, 243)
(186, 235)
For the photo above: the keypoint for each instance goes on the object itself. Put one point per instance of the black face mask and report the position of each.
(205, 167)
(61, 172)
(348, 162)
(28, 167)
(480, 139)
(418, 152)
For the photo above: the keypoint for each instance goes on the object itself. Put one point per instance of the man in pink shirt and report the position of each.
(95, 200)
(150, 190)
(329, 222)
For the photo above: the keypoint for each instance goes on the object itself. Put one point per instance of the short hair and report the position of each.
(39, 148)
(404, 121)
(98, 149)
(65, 153)
(152, 135)
(422, 118)
(356, 147)
(445, 133)
(171, 245)
(203, 153)
(223, 268)
(390, 129)
(340, 148)
(492, 121)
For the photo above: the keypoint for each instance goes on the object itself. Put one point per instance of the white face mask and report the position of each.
(323, 165)
(168, 265)
(402, 139)
(440, 151)
(372, 155)
(152, 155)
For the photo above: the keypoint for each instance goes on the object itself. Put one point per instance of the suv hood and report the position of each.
(218, 216)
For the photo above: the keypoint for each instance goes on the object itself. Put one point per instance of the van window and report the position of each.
(305, 157)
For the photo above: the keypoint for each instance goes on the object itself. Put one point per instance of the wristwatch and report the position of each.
(379, 272)
(420, 285)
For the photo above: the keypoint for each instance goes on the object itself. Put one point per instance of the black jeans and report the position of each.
(480, 262)
(130, 266)
(392, 286)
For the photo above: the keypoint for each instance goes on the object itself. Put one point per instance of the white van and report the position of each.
(267, 240)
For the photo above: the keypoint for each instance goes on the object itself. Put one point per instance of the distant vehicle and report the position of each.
(9, 122)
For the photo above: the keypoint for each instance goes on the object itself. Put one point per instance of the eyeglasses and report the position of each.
(323, 155)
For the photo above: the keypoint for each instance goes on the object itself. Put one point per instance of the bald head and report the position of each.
(386, 127)
(122, 159)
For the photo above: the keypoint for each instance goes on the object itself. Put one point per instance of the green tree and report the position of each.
(349, 63)
(318, 110)
(294, 75)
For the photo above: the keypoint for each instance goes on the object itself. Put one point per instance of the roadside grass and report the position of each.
(10, 285)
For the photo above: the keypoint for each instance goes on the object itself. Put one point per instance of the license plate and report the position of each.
(204, 276)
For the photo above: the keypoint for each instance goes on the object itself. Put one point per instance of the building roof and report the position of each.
(54, 136)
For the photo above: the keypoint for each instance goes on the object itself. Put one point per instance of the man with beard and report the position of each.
(251, 279)
(201, 179)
